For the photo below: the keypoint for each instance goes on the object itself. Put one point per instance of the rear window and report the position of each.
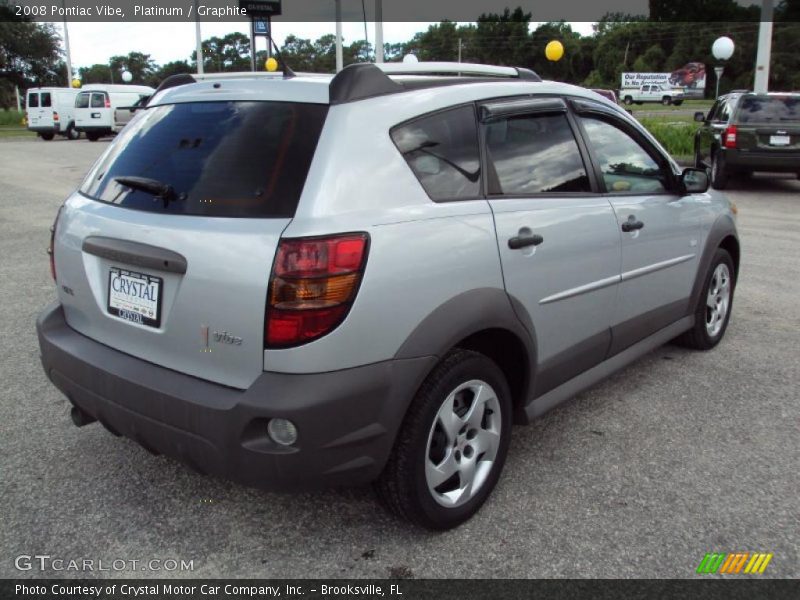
(46, 100)
(82, 101)
(222, 159)
(33, 100)
(773, 109)
(99, 100)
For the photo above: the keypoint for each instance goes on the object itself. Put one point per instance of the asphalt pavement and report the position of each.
(681, 454)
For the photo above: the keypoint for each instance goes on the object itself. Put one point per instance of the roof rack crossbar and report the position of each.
(366, 80)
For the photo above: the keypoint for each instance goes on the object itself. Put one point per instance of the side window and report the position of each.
(33, 100)
(724, 112)
(712, 114)
(534, 154)
(442, 151)
(625, 165)
(46, 100)
(82, 100)
(98, 100)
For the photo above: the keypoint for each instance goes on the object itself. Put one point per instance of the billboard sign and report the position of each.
(691, 77)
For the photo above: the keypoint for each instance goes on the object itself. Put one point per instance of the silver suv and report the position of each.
(302, 281)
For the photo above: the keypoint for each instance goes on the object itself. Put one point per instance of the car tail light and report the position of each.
(313, 284)
(729, 137)
(108, 102)
(55, 116)
(51, 249)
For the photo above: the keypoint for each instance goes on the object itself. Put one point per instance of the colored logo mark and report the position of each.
(734, 562)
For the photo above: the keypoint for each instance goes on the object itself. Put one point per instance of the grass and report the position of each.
(16, 133)
(674, 133)
(11, 118)
(688, 105)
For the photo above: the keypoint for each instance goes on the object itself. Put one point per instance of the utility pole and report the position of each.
(19, 102)
(339, 53)
(378, 31)
(761, 84)
(459, 49)
(198, 40)
(66, 51)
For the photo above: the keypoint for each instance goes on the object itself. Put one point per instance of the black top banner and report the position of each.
(439, 589)
(392, 10)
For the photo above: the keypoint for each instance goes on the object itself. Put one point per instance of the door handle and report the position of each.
(632, 224)
(523, 241)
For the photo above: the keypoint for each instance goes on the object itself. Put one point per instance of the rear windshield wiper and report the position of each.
(161, 190)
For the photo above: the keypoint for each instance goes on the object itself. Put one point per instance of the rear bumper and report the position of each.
(93, 129)
(45, 129)
(347, 420)
(763, 160)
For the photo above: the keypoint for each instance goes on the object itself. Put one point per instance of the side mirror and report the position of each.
(699, 117)
(694, 181)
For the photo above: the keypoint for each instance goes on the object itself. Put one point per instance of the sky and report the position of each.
(92, 43)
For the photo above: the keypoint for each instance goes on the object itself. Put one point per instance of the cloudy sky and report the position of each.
(92, 43)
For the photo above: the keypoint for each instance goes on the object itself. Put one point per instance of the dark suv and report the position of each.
(746, 132)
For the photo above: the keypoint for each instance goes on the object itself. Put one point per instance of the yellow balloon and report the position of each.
(554, 50)
(76, 83)
(271, 64)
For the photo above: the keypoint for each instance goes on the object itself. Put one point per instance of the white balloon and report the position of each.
(127, 77)
(410, 58)
(722, 48)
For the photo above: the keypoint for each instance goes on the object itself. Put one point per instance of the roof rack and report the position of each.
(367, 80)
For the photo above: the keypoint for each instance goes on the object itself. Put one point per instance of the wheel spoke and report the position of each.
(711, 300)
(450, 421)
(467, 474)
(486, 442)
(474, 417)
(438, 474)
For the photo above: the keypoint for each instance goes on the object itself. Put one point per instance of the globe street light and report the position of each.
(127, 77)
(722, 49)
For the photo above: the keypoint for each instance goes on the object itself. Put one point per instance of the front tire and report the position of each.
(452, 445)
(628, 100)
(719, 173)
(666, 101)
(72, 134)
(713, 310)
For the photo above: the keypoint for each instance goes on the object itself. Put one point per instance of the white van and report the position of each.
(51, 111)
(95, 106)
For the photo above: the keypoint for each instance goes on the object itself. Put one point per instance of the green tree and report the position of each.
(139, 65)
(172, 68)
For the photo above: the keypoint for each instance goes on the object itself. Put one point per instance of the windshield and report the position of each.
(770, 109)
(226, 159)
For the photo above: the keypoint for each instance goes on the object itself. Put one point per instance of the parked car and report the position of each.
(746, 132)
(610, 95)
(50, 111)
(652, 93)
(95, 106)
(300, 281)
(125, 113)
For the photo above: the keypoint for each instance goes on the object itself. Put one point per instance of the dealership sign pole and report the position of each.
(260, 13)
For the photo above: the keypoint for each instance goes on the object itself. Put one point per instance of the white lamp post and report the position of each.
(722, 49)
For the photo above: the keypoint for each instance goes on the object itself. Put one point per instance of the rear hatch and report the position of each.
(40, 109)
(769, 123)
(165, 252)
(93, 109)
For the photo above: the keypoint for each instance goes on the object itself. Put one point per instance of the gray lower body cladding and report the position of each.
(347, 420)
(782, 161)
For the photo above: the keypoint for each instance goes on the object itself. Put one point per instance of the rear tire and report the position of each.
(92, 137)
(628, 100)
(719, 174)
(713, 310)
(678, 102)
(47, 136)
(452, 445)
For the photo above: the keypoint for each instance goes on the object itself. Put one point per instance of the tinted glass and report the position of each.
(534, 154)
(46, 100)
(442, 151)
(82, 100)
(626, 166)
(724, 112)
(98, 100)
(772, 109)
(231, 159)
(33, 100)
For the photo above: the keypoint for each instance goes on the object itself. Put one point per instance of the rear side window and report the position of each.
(442, 151)
(222, 159)
(82, 100)
(534, 154)
(46, 100)
(33, 100)
(98, 100)
(772, 109)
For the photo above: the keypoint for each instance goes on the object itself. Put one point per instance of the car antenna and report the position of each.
(287, 70)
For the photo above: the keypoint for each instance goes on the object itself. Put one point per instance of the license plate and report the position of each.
(779, 140)
(135, 297)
